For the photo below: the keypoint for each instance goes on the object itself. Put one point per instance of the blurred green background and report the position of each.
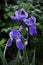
(33, 7)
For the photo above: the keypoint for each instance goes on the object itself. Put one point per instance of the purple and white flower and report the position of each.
(15, 34)
(31, 24)
(19, 15)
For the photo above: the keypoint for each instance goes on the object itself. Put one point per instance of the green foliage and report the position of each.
(25, 56)
(4, 62)
(2, 42)
(16, 61)
(33, 59)
(6, 24)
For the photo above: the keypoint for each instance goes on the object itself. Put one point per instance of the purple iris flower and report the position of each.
(32, 30)
(20, 15)
(19, 44)
(15, 34)
(9, 43)
(31, 23)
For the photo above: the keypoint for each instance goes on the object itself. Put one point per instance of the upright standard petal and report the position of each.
(30, 21)
(20, 15)
(9, 43)
(27, 22)
(33, 18)
(14, 18)
(23, 13)
(19, 44)
(14, 34)
(32, 30)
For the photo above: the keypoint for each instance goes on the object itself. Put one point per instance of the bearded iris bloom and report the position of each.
(9, 43)
(15, 34)
(31, 23)
(32, 30)
(19, 44)
(20, 15)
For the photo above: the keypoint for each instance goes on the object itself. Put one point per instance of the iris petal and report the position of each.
(30, 21)
(14, 34)
(9, 43)
(19, 44)
(34, 19)
(19, 16)
(13, 18)
(32, 30)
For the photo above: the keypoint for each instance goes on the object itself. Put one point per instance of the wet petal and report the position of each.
(9, 43)
(19, 44)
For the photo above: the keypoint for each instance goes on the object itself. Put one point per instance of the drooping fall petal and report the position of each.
(19, 44)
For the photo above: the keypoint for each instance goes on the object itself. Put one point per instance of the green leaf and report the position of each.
(25, 57)
(37, 10)
(40, 26)
(4, 62)
(16, 61)
(1, 54)
(16, 27)
(24, 32)
(5, 15)
(7, 9)
(2, 42)
(33, 59)
(34, 13)
(6, 29)
(2, 24)
(26, 6)
(10, 13)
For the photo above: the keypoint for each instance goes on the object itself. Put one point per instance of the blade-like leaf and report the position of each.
(25, 57)
(4, 62)
(33, 59)
(2, 42)
(16, 61)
